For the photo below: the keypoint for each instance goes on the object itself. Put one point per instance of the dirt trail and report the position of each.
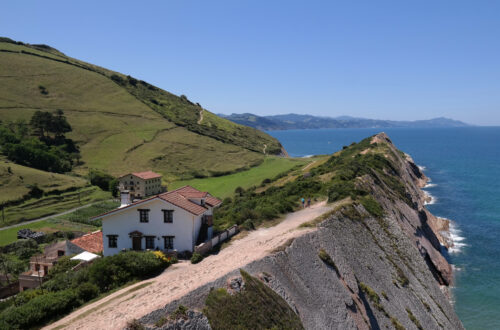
(201, 117)
(120, 307)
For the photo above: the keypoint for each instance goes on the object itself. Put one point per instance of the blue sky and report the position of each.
(400, 60)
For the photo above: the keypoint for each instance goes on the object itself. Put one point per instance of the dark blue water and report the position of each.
(464, 165)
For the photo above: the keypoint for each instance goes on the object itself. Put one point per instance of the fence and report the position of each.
(207, 246)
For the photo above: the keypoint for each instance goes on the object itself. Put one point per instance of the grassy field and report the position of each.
(16, 180)
(48, 205)
(125, 125)
(8, 236)
(224, 186)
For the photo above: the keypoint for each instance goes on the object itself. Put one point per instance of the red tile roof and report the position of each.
(180, 198)
(190, 192)
(212, 201)
(144, 175)
(182, 202)
(91, 242)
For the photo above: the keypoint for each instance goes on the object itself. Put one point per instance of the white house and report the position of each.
(174, 220)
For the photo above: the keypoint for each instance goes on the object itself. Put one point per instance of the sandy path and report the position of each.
(184, 277)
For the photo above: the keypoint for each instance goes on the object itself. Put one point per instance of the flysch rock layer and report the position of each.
(398, 257)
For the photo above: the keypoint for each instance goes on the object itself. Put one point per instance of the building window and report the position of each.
(168, 216)
(169, 242)
(112, 241)
(60, 253)
(144, 215)
(150, 242)
(37, 267)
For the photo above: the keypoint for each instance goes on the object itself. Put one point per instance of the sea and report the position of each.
(464, 167)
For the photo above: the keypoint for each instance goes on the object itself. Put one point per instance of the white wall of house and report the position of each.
(185, 227)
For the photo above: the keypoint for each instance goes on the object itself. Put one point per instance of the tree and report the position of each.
(41, 122)
(59, 125)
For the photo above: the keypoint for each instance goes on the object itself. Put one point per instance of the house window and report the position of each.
(150, 242)
(168, 216)
(144, 215)
(112, 241)
(60, 253)
(168, 242)
(37, 267)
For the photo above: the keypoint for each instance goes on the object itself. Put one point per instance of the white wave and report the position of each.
(430, 199)
(422, 168)
(430, 185)
(456, 238)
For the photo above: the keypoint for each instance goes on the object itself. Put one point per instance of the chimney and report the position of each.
(125, 198)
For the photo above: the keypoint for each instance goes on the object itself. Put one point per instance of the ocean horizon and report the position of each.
(463, 166)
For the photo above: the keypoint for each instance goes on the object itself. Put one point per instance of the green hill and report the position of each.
(122, 124)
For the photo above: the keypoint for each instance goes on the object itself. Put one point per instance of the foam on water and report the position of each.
(430, 185)
(432, 200)
(456, 238)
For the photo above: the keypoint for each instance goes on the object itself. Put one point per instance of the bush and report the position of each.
(196, 258)
(255, 307)
(39, 310)
(372, 206)
(68, 289)
(87, 291)
(100, 179)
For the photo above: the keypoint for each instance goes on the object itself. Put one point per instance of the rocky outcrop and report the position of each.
(357, 270)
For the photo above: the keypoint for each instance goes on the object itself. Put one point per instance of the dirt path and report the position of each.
(264, 149)
(201, 117)
(120, 307)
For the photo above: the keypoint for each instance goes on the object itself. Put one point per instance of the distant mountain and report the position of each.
(295, 121)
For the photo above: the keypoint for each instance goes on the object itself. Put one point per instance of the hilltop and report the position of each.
(296, 121)
(122, 124)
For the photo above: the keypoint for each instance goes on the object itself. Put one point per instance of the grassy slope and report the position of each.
(124, 127)
(224, 186)
(8, 236)
(15, 183)
(52, 204)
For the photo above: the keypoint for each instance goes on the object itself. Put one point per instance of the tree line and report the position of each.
(40, 143)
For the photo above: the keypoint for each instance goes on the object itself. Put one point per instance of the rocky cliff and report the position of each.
(369, 265)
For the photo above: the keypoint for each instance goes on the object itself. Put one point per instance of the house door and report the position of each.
(136, 243)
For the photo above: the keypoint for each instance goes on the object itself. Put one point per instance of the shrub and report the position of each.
(325, 257)
(372, 206)
(255, 307)
(134, 325)
(196, 258)
(87, 291)
(35, 191)
(247, 225)
(39, 310)
(100, 179)
(180, 312)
